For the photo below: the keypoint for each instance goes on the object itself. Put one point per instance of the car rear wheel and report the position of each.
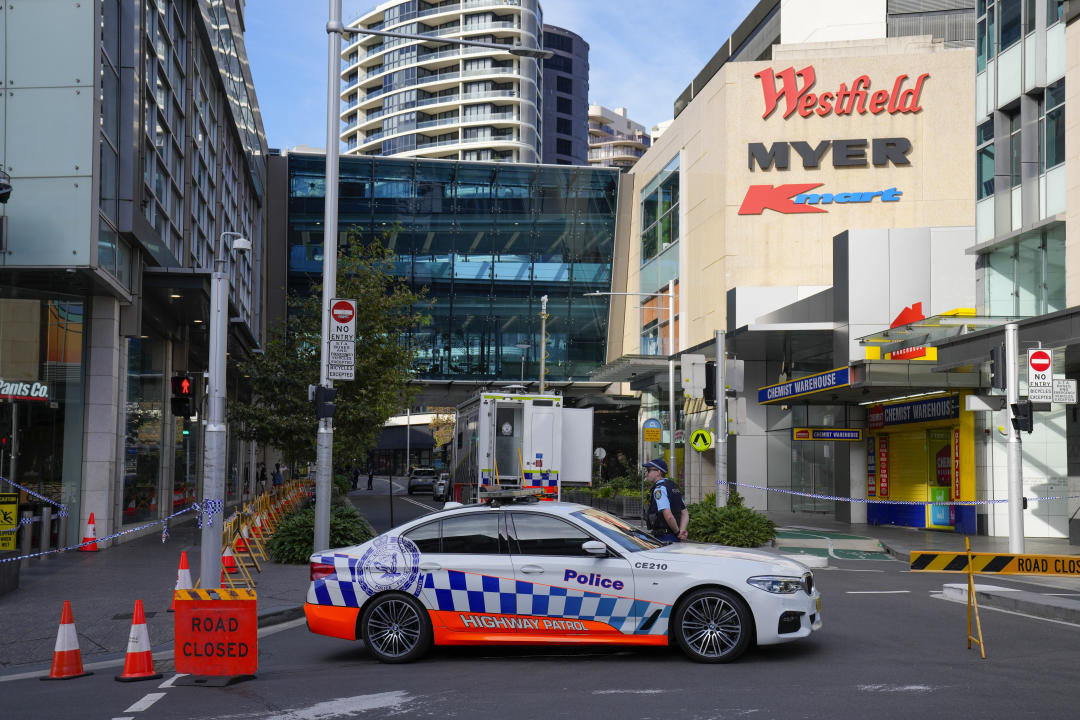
(712, 625)
(396, 629)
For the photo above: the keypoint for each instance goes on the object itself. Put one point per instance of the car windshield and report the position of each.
(628, 537)
(424, 473)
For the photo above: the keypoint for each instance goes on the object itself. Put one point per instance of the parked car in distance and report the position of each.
(441, 489)
(422, 478)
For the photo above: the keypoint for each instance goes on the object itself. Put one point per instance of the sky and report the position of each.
(642, 54)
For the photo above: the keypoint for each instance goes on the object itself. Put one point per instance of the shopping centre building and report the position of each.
(817, 202)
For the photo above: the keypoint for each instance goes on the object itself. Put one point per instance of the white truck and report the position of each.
(514, 441)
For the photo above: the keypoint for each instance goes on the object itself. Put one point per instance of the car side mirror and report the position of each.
(594, 547)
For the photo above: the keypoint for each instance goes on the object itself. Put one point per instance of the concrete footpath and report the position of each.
(103, 587)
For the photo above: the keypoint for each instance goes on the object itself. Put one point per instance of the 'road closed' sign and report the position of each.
(216, 632)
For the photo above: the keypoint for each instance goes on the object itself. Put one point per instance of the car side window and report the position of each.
(427, 538)
(471, 534)
(538, 534)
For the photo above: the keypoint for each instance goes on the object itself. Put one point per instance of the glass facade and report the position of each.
(486, 241)
(41, 396)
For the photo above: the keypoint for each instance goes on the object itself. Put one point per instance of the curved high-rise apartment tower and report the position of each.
(431, 98)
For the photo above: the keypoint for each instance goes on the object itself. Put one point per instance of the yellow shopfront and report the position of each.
(920, 452)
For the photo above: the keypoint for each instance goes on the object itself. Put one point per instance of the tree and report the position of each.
(279, 412)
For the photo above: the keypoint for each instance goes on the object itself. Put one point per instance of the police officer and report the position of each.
(665, 504)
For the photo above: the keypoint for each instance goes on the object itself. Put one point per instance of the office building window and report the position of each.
(563, 147)
(1027, 276)
(984, 160)
(1052, 126)
(564, 105)
(564, 85)
(660, 211)
(1054, 11)
(985, 34)
(564, 126)
(1014, 149)
(1009, 13)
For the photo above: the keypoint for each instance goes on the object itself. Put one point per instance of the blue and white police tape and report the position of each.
(878, 501)
(63, 508)
(204, 513)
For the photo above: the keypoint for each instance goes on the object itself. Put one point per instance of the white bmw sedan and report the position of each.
(554, 573)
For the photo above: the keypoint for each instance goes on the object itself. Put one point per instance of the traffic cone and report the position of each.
(228, 562)
(138, 663)
(67, 660)
(183, 579)
(90, 536)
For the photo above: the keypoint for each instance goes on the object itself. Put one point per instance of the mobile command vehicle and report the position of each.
(509, 441)
(533, 573)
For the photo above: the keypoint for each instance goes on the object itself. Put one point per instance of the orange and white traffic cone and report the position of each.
(90, 536)
(183, 579)
(228, 562)
(138, 663)
(67, 660)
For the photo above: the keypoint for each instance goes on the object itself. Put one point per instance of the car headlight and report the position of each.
(777, 584)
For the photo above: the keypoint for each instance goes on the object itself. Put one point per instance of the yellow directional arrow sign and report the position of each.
(701, 440)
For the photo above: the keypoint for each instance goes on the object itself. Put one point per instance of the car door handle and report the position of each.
(430, 566)
(532, 569)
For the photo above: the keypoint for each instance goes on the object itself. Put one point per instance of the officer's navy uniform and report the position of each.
(665, 495)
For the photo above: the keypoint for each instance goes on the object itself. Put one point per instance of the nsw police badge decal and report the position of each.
(391, 563)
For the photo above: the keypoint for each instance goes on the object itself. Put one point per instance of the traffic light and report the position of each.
(709, 394)
(324, 402)
(1022, 418)
(998, 378)
(181, 395)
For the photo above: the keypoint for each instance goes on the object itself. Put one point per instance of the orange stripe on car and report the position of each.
(332, 620)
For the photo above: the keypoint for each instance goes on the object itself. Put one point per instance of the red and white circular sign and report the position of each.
(1039, 360)
(342, 311)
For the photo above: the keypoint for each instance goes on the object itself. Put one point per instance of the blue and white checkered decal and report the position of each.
(471, 592)
(342, 590)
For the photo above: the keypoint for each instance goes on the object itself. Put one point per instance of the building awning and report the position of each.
(931, 331)
(629, 368)
(1058, 329)
(393, 438)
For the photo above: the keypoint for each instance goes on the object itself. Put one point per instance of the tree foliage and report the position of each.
(279, 412)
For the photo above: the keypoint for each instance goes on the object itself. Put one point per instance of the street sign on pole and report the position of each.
(701, 439)
(1040, 365)
(341, 350)
(1064, 391)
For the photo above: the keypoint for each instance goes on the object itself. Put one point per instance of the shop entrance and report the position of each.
(939, 478)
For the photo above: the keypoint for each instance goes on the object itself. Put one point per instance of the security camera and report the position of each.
(241, 244)
(5, 187)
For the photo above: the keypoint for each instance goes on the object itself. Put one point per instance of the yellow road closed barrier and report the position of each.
(995, 563)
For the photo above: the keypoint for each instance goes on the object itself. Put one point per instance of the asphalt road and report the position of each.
(889, 648)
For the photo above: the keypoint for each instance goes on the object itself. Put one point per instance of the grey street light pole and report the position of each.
(671, 362)
(522, 347)
(324, 452)
(214, 451)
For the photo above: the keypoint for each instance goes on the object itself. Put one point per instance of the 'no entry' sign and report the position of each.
(1040, 362)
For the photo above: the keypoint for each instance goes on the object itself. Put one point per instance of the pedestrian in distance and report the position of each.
(370, 478)
(667, 515)
(262, 477)
(279, 479)
(355, 477)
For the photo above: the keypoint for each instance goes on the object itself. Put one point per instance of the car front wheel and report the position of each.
(396, 629)
(712, 625)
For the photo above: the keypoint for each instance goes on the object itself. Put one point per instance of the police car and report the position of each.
(553, 573)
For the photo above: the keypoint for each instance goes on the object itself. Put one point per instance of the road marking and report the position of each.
(419, 504)
(631, 692)
(877, 592)
(941, 596)
(274, 629)
(125, 717)
(169, 683)
(896, 688)
(146, 702)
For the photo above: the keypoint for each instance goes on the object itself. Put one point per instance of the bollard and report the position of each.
(61, 532)
(27, 537)
(46, 530)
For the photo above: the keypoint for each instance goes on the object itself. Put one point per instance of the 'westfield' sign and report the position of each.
(844, 101)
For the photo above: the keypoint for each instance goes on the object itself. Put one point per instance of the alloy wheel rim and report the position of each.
(711, 626)
(394, 628)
